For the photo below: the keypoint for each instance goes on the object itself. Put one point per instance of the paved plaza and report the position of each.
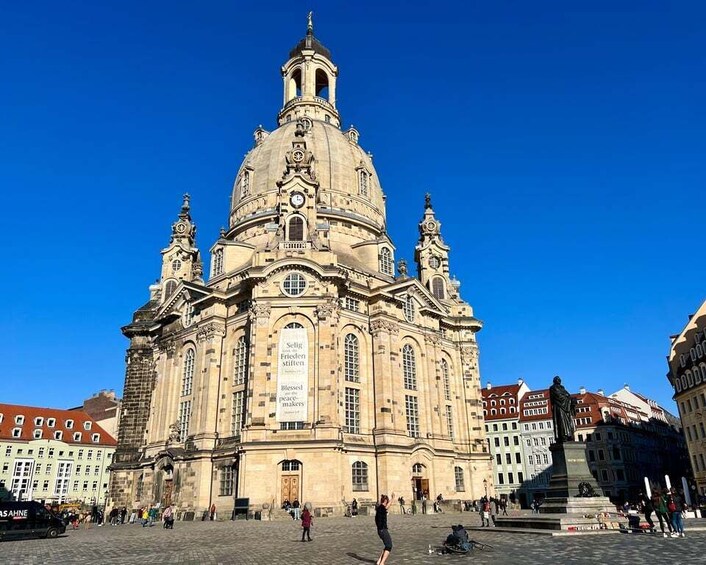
(343, 541)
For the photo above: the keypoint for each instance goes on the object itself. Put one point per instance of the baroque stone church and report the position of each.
(305, 368)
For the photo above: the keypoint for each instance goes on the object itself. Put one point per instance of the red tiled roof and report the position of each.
(497, 393)
(531, 398)
(30, 413)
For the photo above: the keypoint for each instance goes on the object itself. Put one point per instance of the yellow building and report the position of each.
(304, 368)
(687, 375)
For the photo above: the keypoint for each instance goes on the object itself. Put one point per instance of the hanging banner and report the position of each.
(292, 375)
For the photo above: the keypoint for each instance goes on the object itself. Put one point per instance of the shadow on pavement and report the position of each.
(359, 558)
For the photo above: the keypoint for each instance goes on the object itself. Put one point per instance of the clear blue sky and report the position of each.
(563, 144)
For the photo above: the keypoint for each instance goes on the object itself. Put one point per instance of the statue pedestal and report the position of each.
(563, 509)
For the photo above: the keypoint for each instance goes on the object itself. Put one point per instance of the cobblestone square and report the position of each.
(344, 541)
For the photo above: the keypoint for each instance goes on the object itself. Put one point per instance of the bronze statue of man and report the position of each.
(563, 412)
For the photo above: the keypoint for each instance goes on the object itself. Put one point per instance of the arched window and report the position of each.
(493, 411)
(218, 262)
(295, 84)
(240, 361)
(296, 229)
(245, 184)
(322, 84)
(502, 410)
(417, 469)
(359, 471)
(683, 382)
(446, 379)
(187, 379)
(351, 358)
(363, 182)
(458, 476)
(169, 288)
(689, 378)
(437, 288)
(408, 308)
(385, 261)
(293, 326)
(409, 368)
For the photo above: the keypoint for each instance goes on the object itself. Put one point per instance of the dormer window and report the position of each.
(51, 422)
(58, 435)
(386, 261)
(38, 422)
(19, 420)
(77, 436)
(295, 231)
(408, 308)
(363, 181)
(16, 432)
(87, 425)
(69, 424)
(95, 438)
(37, 434)
(245, 183)
(218, 262)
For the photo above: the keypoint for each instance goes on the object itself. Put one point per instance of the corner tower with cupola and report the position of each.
(305, 367)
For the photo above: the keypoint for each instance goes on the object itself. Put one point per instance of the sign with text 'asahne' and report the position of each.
(292, 375)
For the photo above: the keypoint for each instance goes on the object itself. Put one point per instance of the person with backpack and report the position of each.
(675, 507)
(659, 503)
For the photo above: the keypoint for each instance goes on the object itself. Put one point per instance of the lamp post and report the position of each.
(485, 487)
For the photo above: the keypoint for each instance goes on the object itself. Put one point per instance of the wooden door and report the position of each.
(290, 487)
(425, 487)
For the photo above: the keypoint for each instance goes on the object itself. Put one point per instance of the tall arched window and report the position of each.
(240, 361)
(187, 379)
(437, 288)
(360, 476)
(446, 379)
(351, 358)
(385, 261)
(322, 84)
(169, 288)
(409, 368)
(218, 262)
(417, 469)
(296, 229)
(187, 383)
(458, 476)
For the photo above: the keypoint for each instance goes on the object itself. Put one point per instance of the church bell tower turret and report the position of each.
(432, 256)
(181, 260)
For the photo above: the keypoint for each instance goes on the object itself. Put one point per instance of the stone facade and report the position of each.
(304, 368)
(687, 375)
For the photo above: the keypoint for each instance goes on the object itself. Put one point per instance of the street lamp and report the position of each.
(485, 486)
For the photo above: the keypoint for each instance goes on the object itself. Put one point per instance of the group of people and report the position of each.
(294, 508)
(668, 506)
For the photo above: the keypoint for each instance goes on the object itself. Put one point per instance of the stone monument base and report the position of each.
(564, 508)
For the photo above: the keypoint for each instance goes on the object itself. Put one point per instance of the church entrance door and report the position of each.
(290, 487)
(167, 497)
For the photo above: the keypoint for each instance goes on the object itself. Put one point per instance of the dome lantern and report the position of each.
(309, 78)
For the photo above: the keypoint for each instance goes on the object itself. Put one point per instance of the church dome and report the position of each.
(348, 186)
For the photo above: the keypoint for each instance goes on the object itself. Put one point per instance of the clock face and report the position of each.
(298, 155)
(297, 199)
(181, 228)
(434, 262)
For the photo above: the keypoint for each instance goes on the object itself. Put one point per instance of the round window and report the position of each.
(176, 265)
(294, 284)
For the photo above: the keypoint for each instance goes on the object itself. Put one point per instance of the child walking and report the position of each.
(306, 523)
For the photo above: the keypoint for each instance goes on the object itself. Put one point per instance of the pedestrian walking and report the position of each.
(381, 525)
(403, 510)
(168, 517)
(485, 513)
(307, 520)
(675, 507)
(647, 508)
(213, 512)
(424, 502)
(296, 508)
